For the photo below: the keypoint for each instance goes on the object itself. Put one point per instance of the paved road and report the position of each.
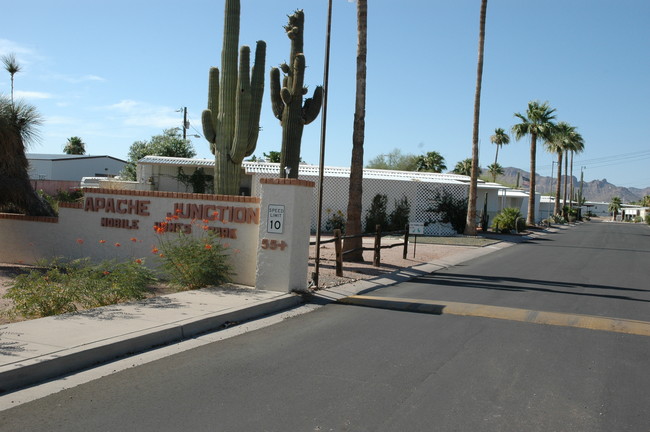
(358, 368)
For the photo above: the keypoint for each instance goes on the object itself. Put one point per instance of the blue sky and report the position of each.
(114, 72)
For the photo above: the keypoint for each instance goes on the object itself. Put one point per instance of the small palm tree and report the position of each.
(18, 123)
(538, 122)
(432, 162)
(496, 170)
(12, 66)
(500, 138)
(615, 207)
(464, 167)
(75, 146)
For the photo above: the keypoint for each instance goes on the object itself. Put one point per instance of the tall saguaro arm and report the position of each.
(287, 99)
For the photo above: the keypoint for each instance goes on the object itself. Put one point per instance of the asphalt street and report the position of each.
(361, 368)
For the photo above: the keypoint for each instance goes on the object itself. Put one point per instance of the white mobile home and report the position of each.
(419, 188)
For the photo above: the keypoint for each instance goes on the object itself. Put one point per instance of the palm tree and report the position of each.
(431, 162)
(557, 143)
(537, 123)
(614, 207)
(463, 167)
(496, 170)
(470, 226)
(18, 124)
(353, 223)
(75, 146)
(577, 146)
(12, 66)
(499, 138)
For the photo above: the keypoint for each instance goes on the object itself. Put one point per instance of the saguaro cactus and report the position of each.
(287, 100)
(231, 122)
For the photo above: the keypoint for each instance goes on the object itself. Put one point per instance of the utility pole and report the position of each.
(581, 183)
(185, 125)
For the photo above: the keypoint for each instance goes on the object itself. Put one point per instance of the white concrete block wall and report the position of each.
(283, 246)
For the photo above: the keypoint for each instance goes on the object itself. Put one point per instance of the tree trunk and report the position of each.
(530, 217)
(353, 223)
(470, 226)
(556, 209)
(566, 179)
(571, 187)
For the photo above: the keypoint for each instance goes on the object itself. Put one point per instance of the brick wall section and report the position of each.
(22, 217)
(288, 181)
(177, 195)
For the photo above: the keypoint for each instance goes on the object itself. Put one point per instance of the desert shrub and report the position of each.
(335, 220)
(192, 262)
(111, 282)
(42, 293)
(376, 214)
(452, 210)
(74, 195)
(399, 217)
(509, 219)
(60, 287)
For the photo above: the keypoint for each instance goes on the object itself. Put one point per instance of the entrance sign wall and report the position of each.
(119, 224)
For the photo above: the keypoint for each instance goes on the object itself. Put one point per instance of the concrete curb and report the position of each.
(57, 364)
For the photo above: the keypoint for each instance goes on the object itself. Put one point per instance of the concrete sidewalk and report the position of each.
(37, 350)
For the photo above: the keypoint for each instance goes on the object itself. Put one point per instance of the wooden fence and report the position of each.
(376, 260)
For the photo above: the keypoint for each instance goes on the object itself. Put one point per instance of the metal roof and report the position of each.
(57, 157)
(166, 160)
(313, 170)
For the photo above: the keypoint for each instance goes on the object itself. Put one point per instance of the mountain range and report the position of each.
(595, 190)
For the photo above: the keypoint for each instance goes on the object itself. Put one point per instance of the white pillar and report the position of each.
(283, 248)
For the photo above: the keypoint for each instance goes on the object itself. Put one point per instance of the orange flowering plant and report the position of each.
(192, 260)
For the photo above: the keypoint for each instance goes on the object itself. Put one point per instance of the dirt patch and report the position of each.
(391, 260)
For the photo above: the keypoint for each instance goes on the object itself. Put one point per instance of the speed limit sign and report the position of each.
(275, 223)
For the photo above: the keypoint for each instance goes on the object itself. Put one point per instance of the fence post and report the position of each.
(406, 241)
(338, 254)
(377, 257)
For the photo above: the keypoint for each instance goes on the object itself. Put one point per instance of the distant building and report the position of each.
(53, 172)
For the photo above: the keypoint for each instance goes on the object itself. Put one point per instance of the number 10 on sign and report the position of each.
(275, 222)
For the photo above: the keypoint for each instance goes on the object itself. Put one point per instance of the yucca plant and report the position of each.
(509, 219)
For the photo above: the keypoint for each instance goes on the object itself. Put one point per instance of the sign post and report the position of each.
(415, 229)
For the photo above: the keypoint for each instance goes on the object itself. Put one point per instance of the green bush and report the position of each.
(638, 219)
(509, 219)
(193, 262)
(377, 214)
(111, 282)
(451, 210)
(61, 287)
(399, 217)
(335, 220)
(647, 219)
